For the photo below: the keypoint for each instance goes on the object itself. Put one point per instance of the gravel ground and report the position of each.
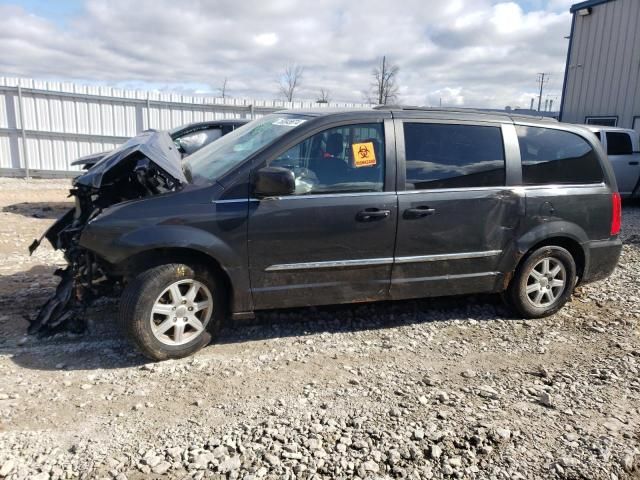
(444, 388)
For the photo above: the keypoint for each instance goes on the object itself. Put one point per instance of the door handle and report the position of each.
(371, 214)
(418, 212)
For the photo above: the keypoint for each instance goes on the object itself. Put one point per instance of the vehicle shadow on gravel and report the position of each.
(101, 346)
(50, 210)
(104, 347)
(300, 322)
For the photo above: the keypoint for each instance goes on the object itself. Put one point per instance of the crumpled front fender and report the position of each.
(115, 248)
(123, 250)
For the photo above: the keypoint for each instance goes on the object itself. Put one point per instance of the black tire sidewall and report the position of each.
(138, 299)
(517, 295)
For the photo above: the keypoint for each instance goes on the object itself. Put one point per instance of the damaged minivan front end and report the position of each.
(146, 165)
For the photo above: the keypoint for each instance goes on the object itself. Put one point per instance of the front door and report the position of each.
(332, 241)
(456, 215)
(625, 167)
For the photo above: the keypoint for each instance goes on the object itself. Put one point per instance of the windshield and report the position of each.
(219, 157)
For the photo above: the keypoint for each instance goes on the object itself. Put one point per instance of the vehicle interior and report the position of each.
(325, 162)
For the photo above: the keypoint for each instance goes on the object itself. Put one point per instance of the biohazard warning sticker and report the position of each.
(363, 154)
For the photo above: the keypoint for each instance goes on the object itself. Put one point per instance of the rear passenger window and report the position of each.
(453, 156)
(619, 143)
(552, 156)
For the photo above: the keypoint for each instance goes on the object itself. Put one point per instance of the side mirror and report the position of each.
(273, 182)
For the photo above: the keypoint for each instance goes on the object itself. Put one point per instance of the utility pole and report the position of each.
(543, 78)
(223, 89)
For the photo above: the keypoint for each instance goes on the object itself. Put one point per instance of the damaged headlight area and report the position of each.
(145, 165)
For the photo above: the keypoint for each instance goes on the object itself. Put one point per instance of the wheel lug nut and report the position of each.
(190, 309)
(185, 319)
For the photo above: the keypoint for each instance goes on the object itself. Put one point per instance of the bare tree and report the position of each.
(223, 88)
(324, 97)
(384, 87)
(290, 80)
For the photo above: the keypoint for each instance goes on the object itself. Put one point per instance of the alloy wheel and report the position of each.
(181, 312)
(546, 282)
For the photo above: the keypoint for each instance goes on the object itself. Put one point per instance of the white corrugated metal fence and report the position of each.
(44, 126)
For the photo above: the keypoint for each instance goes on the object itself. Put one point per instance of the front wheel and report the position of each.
(171, 311)
(543, 283)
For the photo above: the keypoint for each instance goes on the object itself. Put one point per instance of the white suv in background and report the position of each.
(623, 149)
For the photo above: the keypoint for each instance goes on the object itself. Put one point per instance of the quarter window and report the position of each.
(453, 156)
(552, 156)
(605, 121)
(338, 160)
(619, 143)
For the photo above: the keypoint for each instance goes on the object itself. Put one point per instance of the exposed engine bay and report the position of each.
(146, 165)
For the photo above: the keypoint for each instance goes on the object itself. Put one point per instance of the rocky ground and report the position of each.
(447, 388)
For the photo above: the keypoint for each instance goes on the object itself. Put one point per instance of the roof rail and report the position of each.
(458, 110)
(488, 112)
(438, 109)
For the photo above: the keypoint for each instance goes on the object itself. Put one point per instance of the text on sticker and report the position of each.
(289, 122)
(363, 154)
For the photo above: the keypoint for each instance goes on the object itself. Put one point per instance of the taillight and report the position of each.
(616, 214)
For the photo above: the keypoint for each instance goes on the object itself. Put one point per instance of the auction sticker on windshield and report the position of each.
(363, 154)
(289, 122)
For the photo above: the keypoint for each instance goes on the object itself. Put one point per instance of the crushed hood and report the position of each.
(89, 161)
(157, 146)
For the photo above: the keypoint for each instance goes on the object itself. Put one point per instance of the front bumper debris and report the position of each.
(145, 165)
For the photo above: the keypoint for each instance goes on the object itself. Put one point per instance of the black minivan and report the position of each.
(303, 208)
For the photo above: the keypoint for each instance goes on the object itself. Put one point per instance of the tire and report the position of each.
(149, 299)
(531, 282)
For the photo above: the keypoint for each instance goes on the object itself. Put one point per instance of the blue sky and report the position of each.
(483, 53)
(58, 11)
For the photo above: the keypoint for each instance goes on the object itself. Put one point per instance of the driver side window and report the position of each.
(338, 160)
(193, 142)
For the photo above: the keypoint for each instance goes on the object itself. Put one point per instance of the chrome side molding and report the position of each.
(380, 261)
(332, 264)
(447, 256)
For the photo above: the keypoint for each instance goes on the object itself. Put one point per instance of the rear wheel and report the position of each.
(172, 311)
(543, 282)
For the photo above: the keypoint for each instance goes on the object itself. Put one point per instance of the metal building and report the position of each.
(602, 75)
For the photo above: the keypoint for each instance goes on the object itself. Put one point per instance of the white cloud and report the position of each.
(467, 52)
(266, 39)
(507, 17)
